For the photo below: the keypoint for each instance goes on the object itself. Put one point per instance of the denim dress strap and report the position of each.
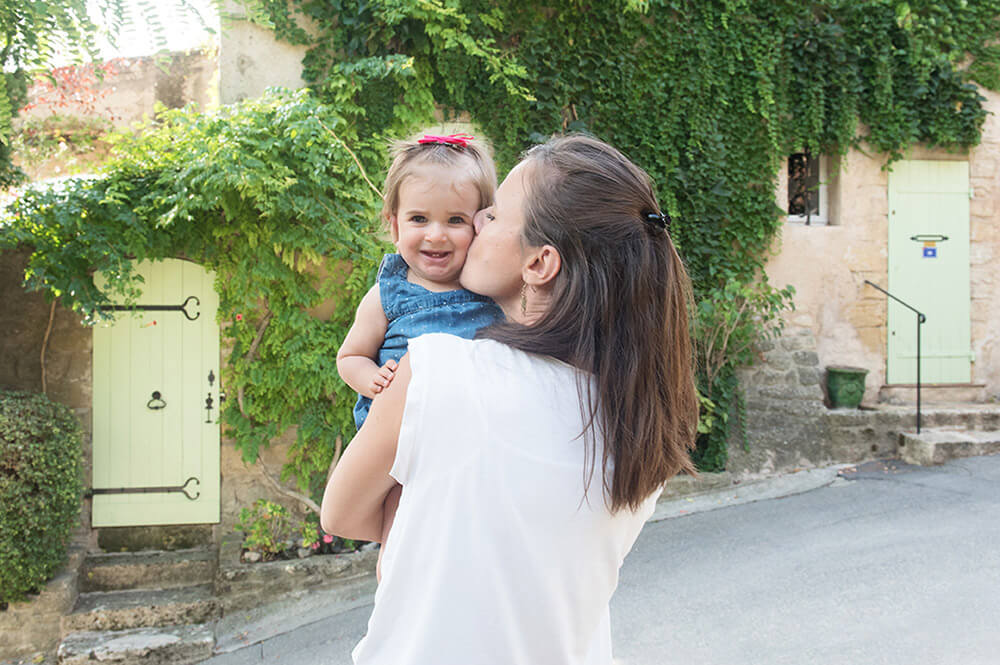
(402, 298)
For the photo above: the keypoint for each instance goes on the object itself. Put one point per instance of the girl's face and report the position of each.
(432, 227)
(495, 263)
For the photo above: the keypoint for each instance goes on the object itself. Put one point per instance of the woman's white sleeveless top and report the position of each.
(498, 555)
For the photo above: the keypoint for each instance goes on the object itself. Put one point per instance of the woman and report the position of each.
(529, 457)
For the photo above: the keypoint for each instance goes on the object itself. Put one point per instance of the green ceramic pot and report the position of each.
(845, 386)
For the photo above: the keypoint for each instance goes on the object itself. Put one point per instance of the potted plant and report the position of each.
(845, 386)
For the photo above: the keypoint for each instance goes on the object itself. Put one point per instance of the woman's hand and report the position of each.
(360, 482)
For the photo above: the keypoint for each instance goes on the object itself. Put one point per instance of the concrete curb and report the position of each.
(245, 628)
(747, 492)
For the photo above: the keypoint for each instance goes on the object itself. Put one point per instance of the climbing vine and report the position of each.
(709, 96)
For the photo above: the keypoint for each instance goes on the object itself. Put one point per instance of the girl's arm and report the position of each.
(355, 362)
(358, 486)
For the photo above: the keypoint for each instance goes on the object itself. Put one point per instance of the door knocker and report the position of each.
(156, 403)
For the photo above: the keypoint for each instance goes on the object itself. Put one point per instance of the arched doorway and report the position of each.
(156, 403)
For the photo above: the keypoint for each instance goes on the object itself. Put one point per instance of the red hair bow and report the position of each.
(458, 140)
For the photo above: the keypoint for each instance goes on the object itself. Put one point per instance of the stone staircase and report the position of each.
(143, 607)
(948, 431)
(789, 427)
(938, 445)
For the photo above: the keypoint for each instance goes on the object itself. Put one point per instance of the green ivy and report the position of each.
(41, 484)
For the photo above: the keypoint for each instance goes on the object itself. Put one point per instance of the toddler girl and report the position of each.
(434, 187)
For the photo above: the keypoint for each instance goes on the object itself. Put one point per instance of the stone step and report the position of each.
(172, 645)
(142, 608)
(903, 418)
(933, 393)
(117, 571)
(936, 446)
(968, 417)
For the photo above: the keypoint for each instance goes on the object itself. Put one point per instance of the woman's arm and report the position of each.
(355, 362)
(359, 484)
(389, 509)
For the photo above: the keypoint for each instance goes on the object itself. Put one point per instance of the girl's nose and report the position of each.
(434, 232)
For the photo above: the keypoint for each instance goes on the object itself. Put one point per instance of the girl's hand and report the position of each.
(383, 377)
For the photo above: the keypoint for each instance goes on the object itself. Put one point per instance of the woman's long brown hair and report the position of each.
(619, 310)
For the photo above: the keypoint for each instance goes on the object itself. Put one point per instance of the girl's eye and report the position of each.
(489, 217)
(419, 219)
(457, 220)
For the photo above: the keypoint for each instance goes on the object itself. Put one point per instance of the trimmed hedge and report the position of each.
(40, 490)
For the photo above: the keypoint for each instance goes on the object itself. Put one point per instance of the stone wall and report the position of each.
(251, 59)
(240, 586)
(985, 250)
(23, 321)
(243, 483)
(142, 82)
(788, 423)
(31, 628)
(784, 414)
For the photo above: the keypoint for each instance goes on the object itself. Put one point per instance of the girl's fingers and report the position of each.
(384, 376)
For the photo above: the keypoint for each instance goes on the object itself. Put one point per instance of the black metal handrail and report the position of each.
(921, 319)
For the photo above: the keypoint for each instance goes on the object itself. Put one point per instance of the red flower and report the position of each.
(239, 317)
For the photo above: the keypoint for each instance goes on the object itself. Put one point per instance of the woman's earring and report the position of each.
(524, 299)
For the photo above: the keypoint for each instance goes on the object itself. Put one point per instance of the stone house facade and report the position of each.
(924, 229)
(829, 262)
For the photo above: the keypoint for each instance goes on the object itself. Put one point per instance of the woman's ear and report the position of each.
(542, 266)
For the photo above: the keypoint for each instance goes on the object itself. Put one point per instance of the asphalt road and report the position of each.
(890, 565)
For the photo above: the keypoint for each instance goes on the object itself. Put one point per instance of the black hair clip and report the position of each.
(657, 219)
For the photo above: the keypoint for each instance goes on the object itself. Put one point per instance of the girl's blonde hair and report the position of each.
(409, 155)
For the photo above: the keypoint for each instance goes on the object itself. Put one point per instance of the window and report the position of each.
(807, 191)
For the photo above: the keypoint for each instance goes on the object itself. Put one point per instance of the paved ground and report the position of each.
(888, 565)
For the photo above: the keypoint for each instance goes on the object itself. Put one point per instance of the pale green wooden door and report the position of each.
(146, 444)
(929, 268)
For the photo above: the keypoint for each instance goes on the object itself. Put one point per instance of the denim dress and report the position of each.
(412, 311)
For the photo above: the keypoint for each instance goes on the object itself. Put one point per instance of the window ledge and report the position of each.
(801, 221)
